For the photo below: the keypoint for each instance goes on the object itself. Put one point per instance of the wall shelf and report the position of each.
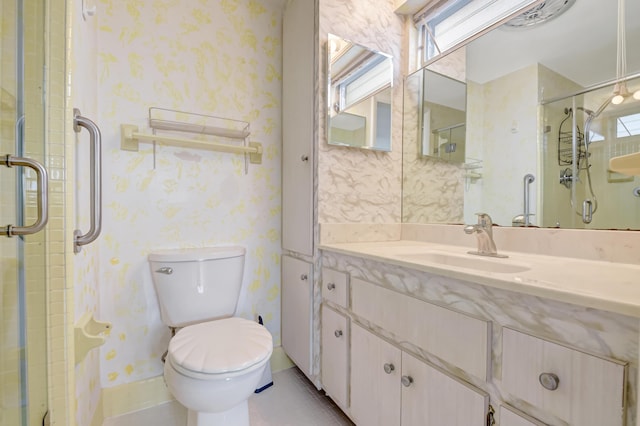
(194, 124)
(626, 164)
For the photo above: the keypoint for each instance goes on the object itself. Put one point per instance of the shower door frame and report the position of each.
(23, 340)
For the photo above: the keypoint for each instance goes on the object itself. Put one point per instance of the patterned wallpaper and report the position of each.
(215, 57)
(86, 278)
(356, 185)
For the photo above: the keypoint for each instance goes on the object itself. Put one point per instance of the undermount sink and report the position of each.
(485, 264)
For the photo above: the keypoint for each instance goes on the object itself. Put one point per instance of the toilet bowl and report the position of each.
(215, 361)
(212, 368)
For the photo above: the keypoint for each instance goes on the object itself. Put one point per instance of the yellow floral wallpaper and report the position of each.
(214, 57)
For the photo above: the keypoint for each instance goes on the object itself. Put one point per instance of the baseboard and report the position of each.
(98, 415)
(134, 396)
(280, 360)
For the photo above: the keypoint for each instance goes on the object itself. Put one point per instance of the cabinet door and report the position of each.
(297, 126)
(512, 417)
(375, 392)
(433, 398)
(297, 302)
(335, 355)
(579, 388)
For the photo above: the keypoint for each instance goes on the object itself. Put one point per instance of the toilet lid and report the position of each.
(221, 346)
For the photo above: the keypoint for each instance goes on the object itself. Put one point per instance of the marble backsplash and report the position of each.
(609, 246)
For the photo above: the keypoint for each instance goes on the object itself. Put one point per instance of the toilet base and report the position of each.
(236, 416)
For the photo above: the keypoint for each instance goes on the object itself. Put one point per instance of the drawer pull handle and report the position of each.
(303, 277)
(388, 368)
(549, 381)
(331, 286)
(406, 381)
(338, 333)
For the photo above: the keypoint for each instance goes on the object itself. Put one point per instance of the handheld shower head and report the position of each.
(586, 111)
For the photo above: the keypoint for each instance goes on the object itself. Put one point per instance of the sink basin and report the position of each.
(478, 263)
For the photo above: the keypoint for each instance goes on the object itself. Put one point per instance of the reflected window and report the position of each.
(441, 28)
(629, 125)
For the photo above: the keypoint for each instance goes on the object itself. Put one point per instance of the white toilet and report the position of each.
(215, 361)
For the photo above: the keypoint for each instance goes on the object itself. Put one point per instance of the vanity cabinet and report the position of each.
(335, 356)
(392, 387)
(580, 388)
(297, 310)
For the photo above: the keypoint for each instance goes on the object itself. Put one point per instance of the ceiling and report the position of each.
(579, 44)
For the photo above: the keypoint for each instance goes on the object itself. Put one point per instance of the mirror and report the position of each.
(360, 81)
(443, 117)
(533, 93)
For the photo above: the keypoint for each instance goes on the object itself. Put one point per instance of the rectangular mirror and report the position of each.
(359, 109)
(443, 117)
(540, 121)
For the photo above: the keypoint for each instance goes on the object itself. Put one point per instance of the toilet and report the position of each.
(215, 360)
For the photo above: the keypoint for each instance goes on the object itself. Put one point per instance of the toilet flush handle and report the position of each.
(165, 270)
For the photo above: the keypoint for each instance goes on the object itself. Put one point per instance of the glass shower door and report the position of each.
(23, 365)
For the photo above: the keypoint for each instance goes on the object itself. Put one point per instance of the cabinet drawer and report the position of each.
(579, 388)
(511, 417)
(335, 355)
(335, 287)
(454, 337)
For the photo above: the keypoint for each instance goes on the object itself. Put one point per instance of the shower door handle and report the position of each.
(80, 239)
(42, 197)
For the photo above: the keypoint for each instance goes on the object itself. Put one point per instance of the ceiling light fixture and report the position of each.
(620, 91)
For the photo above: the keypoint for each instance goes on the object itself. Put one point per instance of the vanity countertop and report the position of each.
(608, 286)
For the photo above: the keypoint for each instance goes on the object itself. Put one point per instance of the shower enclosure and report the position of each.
(582, 133)
(23, 345)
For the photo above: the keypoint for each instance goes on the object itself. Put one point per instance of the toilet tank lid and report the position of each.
(195, 254)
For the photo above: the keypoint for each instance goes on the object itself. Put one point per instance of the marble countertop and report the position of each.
(609, 286)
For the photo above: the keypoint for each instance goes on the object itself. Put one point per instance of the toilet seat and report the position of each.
(228, 347)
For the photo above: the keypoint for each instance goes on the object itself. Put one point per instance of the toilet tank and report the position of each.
(197, 284)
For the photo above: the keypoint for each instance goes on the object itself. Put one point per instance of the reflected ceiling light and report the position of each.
(620, 91)
(636, 95)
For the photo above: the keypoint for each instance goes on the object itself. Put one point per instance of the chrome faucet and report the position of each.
(484, 234)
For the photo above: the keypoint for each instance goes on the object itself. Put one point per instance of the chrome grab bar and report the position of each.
(79, 239)
(587, 211)
(42, 198)
(528, 180)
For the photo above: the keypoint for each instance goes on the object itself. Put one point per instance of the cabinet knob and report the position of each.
(303, 277)
(549, 381)
(338, 333)
(331, 286)
(406, 381)
(304, 158)
(388, 368)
